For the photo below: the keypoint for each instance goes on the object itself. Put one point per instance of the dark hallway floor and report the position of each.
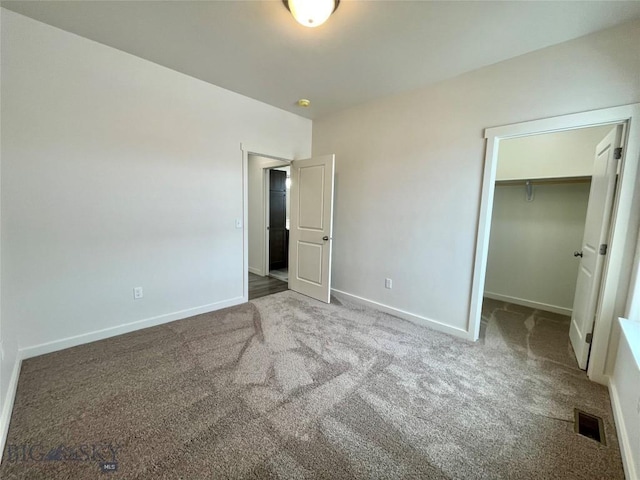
(263, 286)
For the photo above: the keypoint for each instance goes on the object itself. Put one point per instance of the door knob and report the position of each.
(325, 238)
(577, 254)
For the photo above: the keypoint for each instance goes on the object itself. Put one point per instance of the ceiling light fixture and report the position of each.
(311, 13)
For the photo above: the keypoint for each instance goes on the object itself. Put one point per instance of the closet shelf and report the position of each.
(543, 181)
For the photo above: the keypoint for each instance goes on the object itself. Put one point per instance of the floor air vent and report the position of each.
(589, 426)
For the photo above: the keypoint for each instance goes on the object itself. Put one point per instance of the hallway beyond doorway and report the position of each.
(263, 286)
(280, 274)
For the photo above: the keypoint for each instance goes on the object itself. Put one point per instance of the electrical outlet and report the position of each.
(137, 293)
(238, 223)
(388, 283)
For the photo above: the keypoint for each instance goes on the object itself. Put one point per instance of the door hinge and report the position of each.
(589, 337)
(617, 153)
(603, 249)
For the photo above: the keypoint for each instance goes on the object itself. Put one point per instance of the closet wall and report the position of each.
(531, 248)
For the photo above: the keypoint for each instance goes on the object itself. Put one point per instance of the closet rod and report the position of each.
(543, 181)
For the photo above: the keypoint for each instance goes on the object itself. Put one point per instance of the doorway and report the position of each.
(278, 211)
(624, 223)
(267, 225)
(311, 221)
(547, 190)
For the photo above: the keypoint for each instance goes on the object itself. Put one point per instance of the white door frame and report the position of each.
(246, 151)
(624, 222)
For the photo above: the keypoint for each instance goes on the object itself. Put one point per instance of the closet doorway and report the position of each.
(552, 205)
(625, 222)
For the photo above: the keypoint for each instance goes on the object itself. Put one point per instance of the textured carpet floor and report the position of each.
(286, 387)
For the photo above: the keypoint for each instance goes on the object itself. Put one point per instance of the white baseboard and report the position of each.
(412, 317)
(54, 346)
(7, 408)
(256, 271)
(630, 470)
(600, 378)
(528, 303)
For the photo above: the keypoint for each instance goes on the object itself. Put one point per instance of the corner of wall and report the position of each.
(7, 402)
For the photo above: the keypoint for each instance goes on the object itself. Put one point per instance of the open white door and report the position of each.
(311, 226)
(596, 232)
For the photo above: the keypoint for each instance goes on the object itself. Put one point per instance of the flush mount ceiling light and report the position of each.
(311, 13)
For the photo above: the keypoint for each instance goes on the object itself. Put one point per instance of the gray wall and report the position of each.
(118, 173)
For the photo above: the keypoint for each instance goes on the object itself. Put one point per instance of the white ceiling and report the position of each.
(367, 49)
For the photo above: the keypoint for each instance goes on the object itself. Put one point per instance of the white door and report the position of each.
(311, 226)
(596, 232)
